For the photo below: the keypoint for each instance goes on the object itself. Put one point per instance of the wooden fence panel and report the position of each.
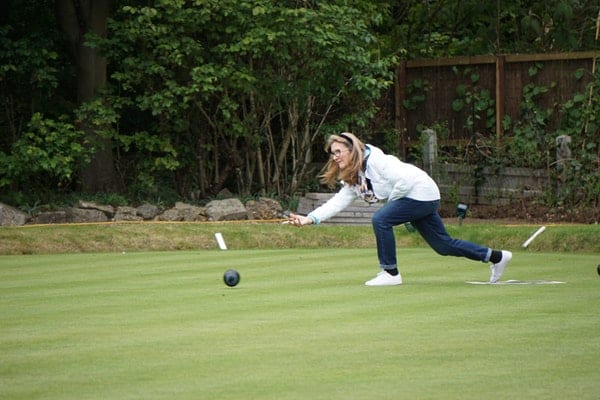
(505, 77)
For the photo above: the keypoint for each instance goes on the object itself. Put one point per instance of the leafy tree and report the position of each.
(443, 28)
(36, 119)
(48, 154)
(236, 92)
(205, 94)
(76, 19)
(38, 95)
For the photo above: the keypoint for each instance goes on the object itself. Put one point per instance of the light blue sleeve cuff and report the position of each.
(315, 220)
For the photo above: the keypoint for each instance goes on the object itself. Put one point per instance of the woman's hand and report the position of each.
(298, 220)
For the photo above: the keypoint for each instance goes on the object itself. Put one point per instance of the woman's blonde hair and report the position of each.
(332, 174)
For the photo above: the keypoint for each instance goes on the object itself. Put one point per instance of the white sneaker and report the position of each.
(498, 269)
(384, 279)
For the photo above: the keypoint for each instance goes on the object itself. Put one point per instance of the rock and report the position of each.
(88, 211)
(80, 215)
(10, 216)
(147, 211)
(183, 212)
(90, 205)
(171, 214)
(51, 217)
(264, 208)
(127, 214)
(226, 210)
(190, 212)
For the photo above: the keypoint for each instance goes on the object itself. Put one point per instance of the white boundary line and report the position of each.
(516, 282)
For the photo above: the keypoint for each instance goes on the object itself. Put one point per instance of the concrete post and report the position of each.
(429, 150)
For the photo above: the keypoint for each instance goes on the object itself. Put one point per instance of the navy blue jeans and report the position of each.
(423, 215)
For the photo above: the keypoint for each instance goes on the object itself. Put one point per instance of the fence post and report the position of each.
(500, 79)
(429, 150)
(400, 111)
(563, 155)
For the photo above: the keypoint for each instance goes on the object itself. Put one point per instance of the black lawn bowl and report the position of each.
(231, 277)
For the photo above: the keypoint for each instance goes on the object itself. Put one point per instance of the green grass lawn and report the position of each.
(300, 325)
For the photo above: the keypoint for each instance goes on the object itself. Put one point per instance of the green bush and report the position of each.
(48, 154)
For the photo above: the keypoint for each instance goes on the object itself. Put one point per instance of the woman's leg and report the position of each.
(431, 227)
(394, 213)
(425, 218)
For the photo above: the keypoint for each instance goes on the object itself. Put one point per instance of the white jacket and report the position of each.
(390, 178)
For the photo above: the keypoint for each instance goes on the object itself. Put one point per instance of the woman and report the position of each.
(412, 196)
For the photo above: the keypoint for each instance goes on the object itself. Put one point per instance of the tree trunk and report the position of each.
(76, 18)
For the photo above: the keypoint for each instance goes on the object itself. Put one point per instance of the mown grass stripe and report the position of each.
(301, 324)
